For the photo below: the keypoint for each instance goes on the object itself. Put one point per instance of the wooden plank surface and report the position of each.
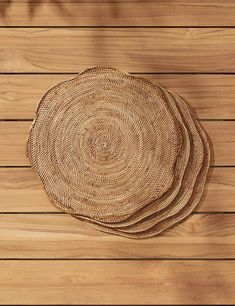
(21, 191)
(14, 134)
(130, 49)
(62, 236)
(212, 96)
(13, 137)
(117, 282)
(107, 12)
(50, 258)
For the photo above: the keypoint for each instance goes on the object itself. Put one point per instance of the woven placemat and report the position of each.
(183, 204)
(119, 152)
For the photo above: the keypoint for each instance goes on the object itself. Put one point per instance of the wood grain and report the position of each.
(212, 96)
(62, 236)
(21, 191)
(13, 138)
(97, 13)
(117, 282)
(130, 49)
(50, 258)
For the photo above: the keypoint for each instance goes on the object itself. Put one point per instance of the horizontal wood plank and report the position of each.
(62, 236)
(212, 96)
(117, 282)
(13, 138)
(22, 191)
(134, 50)
(121, 12)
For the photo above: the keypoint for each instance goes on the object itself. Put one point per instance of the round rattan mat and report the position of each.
(119, 152)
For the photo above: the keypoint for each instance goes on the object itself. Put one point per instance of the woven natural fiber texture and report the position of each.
(119, 152)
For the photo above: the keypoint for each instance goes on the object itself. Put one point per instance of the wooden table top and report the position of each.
(48, 257)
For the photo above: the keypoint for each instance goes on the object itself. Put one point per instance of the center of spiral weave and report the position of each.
(102, 141)
(103, 146)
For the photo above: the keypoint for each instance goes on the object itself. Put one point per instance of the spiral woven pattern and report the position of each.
(118, 152)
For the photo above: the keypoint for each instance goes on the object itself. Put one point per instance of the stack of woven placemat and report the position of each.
(119, 152)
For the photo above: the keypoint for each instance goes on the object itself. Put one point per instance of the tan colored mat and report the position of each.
(121, 153)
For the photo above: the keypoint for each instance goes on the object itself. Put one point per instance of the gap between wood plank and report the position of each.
(29, 120)
(118, 27)
(211, 166)
(63, 213)
(150, 73)
(123, 259)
